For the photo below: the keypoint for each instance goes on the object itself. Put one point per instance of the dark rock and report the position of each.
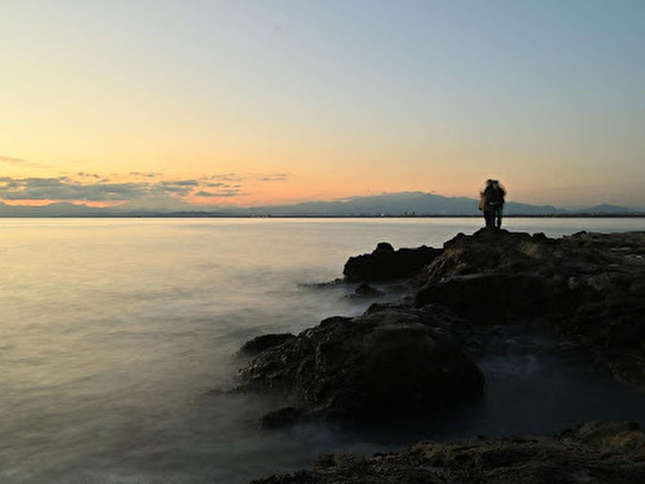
(388, 364)
(325, 285)
(366, 291)
(589, 286)
(396, 362)
(384, 263)
(596, 453)
(494, 295)
(263, 342)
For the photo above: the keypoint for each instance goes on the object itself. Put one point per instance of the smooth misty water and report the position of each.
(114, 332)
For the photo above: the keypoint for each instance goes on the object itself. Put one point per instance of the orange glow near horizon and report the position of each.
(322, 182)
(42, 203)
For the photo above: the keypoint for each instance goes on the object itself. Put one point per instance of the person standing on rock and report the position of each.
(486, 197)
(499, 193)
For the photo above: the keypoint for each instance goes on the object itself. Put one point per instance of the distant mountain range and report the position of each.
(393, 204)
(409, 203)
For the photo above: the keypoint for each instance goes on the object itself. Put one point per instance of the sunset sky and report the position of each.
(258, 102)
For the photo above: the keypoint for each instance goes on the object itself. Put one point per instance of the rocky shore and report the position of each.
(596, 453)
(590, 287)
(413, 359)
(391, 363)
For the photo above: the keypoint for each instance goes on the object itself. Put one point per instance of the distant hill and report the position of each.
(391, 204)
(51, 210)
(606, 209)
(418, 203)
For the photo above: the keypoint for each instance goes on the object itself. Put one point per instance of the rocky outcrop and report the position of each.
(496, 296)
(263, 342)
(595, 453)
(365, 291)
(589, 286)
(391, 363)
(398, 360)
(385, 263)
(561, 273)
(401, 361)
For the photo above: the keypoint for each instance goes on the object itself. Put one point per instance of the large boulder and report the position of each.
(594, 453)
(388, 364)
(385, 263)
(365, 291)
(589, 286)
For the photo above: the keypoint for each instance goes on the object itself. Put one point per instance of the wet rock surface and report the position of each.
(596, 452)
(385, 263)
(365, 291)
(589, 286)
(413, 358)
(263, 342)
(390, 363)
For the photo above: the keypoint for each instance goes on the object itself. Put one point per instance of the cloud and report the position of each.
(151, 174)
(227, 177)
(275, 177)
(223, 193)
(91, 187)
(221, 185)
(62, 188)
(177, 187)
(10, 160)
(236, 177)
(179, 183)
(88, 175)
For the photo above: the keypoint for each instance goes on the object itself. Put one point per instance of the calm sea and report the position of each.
(117, 336)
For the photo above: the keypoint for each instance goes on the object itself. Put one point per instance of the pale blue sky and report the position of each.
(346, 98)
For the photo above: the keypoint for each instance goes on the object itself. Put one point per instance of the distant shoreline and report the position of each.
(211, 215)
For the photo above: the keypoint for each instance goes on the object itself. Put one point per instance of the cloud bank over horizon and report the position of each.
(96, 189)
(186, 195)
(153, 190)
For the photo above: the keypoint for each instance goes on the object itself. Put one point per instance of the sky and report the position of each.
(267, 102)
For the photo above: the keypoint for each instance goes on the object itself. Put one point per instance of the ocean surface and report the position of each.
(118, 341)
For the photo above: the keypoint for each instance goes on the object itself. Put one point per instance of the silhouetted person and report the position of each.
(499, 195)
(486, 197)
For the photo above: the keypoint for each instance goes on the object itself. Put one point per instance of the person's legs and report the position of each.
(498, 216)
(488, 218)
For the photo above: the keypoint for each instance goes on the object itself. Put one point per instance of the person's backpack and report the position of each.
(494, 197)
